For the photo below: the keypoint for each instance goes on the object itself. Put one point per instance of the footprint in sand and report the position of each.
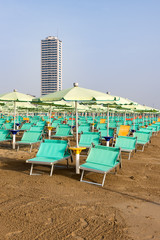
(76, 237)
(84, 223)
(49, 221)
(148, 217)
(12, 233)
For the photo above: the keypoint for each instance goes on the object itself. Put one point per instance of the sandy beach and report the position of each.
(61, 207)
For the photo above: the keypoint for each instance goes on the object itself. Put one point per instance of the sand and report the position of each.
(61, 207)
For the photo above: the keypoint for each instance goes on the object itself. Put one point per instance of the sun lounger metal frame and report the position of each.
(52, 162)
(29, 143)
(127, 150)
(119, 163)
(143, 144)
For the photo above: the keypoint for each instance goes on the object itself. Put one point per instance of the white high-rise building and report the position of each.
(51, 65)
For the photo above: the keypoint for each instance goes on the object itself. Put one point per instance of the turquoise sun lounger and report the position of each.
(143, 138)
(50, 154)
(127, 144)
(87, 139)
(101, 159)
(30, 138)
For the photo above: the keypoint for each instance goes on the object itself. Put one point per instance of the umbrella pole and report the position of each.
(134, 121)
(77, 145)
(50, 115)
(14, 116)
(125, 117)
(72, 118)
(107, 121)
(14, 128)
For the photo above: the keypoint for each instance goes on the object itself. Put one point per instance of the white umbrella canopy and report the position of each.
(22, 105)
(138, 107)
(77, 94)
(15, 97)
(125, 101)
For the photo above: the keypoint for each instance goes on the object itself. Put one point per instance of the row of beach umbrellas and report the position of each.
(71, 98)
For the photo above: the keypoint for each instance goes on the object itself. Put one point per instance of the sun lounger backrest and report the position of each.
(153, 128)
(3, 134)
(112, 124)
(126, 142)
(102, 120)
(36, 129)
(63, 131)
(123, 130)
(103, 155)
(55, 141)
(31, 136)
(52, 150)
(41, 124)
(8, 126)
(88, 138)
(34, 121)
(26, 126)
(83, 128)
(54, 124)
(158, 126)
(101, 126)
(2, 121)
(146, 130)
(104, 132)
(142, 136)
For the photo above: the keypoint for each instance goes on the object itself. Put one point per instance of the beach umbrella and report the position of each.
(15, 97)
(77, 94)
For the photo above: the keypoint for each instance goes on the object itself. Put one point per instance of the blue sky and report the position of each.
(108, 45)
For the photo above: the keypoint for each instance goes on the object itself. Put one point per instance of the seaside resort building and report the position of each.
(51, 65)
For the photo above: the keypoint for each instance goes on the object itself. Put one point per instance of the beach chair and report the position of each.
(158, 126)
(84, 128)
(5, 135)
(36, 128)
(112, 124)
(101, 159)
(143, 138)
(123, 130)
(50, 154)
(102, 120)
(86, 139)
(30, 138)
(55, 141)
(7, 126)
(127, 144)
(104, 132)
(153, 128)
(71, 123)
(101, 126)
(41, 124)
(2, 121)
(146, 130)
(26, 127)
(63, 131)
(54, 124)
